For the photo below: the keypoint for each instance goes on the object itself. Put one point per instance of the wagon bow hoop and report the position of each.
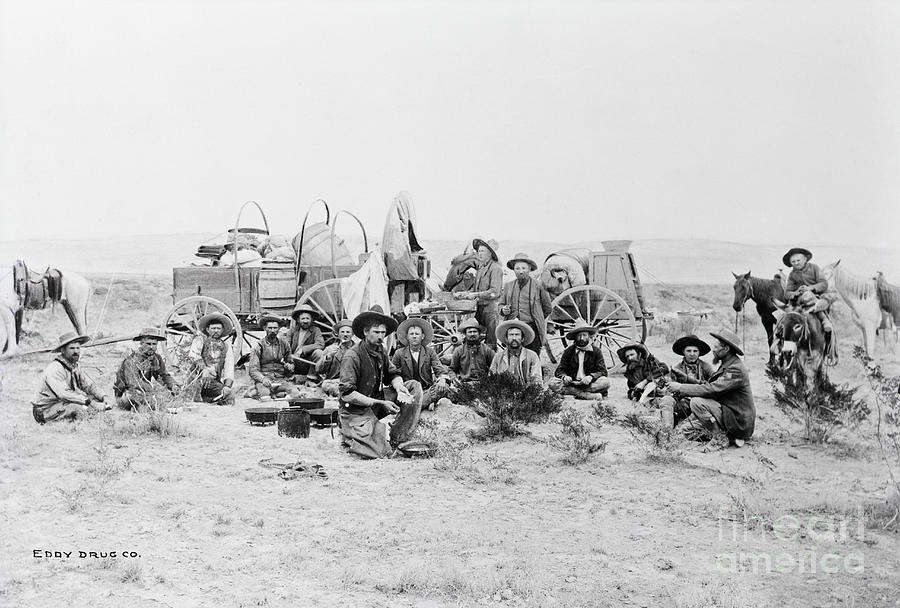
(334, 227)
(237, 225)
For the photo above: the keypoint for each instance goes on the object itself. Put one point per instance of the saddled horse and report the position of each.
(860, 294)
(801, 343)
(23, 289)
(763, 292)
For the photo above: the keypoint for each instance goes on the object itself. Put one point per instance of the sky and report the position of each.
(755, 122)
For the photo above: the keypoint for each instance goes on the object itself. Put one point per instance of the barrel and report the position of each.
(293, 422)
(277, 292)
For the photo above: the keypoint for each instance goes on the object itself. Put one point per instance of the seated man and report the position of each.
(690, 370)
(66, 393)
(724, 402)
(522, 363)
(642, 370)
(213, 359)
(471, 360)
(806, 284)
(270, 365)
(417, 361)
(307, 343)
(581, 371)
(134, 385)
(328, 368)
(365, 399)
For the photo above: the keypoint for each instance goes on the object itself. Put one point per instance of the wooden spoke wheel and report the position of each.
(325, 298)
(444, 325)
(599, 307)
(181, 325)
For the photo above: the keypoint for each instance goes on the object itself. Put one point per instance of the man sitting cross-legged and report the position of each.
(141, 371)
(328, 368)
(581, 371)
(270, 365)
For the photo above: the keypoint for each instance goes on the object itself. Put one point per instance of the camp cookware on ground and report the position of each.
(293, 422)
(261, 415)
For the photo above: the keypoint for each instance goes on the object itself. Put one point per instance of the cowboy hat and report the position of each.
(527, 332)
(730, 338)
(376, 314)
(205, 320)
(632, 346)
(469, 323)
(301, 308)
(691, 340)
(787, 257)
(69, 337)
(150, 332)
(491, 244)
(266, 319)
(342, 323)
(521, 257)
(427, 330)
(579, 327)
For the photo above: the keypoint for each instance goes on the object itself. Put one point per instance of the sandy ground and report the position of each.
(196, 521)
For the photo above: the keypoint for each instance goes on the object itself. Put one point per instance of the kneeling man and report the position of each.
(724, 402)
(372, 388)
(690, 370)
(581, 371)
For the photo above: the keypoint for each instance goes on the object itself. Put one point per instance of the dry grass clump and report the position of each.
(506, 404)
(514, 581)
(707, 594)
(132, 571)
(574, 440)
(661, 447)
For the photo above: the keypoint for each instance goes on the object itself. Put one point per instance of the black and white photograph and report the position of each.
(450, 303)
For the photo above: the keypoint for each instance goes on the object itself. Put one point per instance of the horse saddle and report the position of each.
(35, 290)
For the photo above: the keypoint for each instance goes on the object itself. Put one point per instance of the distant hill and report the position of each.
(674, 261)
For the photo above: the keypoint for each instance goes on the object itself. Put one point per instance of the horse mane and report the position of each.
(853, 285)
(888, 296)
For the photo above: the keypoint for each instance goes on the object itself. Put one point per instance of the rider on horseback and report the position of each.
(806, 284)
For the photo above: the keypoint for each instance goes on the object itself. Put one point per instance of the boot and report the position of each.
(826, 322)
(667, 417)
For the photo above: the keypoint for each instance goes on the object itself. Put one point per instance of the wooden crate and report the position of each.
(218, 283)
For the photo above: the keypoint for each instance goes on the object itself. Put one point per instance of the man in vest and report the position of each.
(472, 358)
(514, 359)
(581, 371)
(213, 359)
(525, 299)
(418, 361)
(307, 343)
(142, 371)
(270, 366)
(487, 288)
(690, 370)
(328, 368)
(372, 388)
(66, 393)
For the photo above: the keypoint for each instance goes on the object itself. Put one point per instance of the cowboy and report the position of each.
(581, 371)
(526, 299)
(724, 402)
(307, 342)
(471, 359)
(486, 289)
(329, 366)
(806, 284)
(690, 370)
(66, 392)
(372, 388)
(213, 359)
(138, 371)
(521, 363)
(418, 361)
(270, 365)
(642, 370)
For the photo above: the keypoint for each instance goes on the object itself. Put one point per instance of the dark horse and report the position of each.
(763, 292)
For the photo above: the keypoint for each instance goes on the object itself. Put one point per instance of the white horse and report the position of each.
(860, 294)
(76, 293)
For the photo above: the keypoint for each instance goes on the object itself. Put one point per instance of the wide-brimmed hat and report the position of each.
(521, 257)
(632, 346)
(69, 337)
(691, 340)
(787, 257)
(150, 332)
(376, 313)
(265, 319)
(527, 332)
(730, 338)
(579, 327)
(301, 308)
(491, 244)
(469, 323)
(342, 323)
(427, 330)
(205, 320)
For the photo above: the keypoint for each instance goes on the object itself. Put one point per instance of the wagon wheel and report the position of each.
(325, 297)
(599, 307)
(181, 327)
(445, 334)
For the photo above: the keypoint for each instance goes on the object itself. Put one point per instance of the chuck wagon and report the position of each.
(610, 299)
(245, 293)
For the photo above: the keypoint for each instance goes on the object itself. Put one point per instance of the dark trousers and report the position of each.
(488, 315)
